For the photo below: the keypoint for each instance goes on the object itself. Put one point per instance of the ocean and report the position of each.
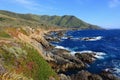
(105, 43)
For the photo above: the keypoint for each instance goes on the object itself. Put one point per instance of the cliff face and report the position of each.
(22, 55)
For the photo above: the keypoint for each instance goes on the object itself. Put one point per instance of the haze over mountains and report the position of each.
(8, 18)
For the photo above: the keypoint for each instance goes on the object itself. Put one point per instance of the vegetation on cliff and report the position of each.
(66, 21)
(20, 60)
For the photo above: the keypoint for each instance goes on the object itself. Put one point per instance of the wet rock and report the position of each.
(52, 38)
(64, 61)
(86, 57)
(108, 76)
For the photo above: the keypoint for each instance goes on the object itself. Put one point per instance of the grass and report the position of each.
(4, 34)
(42, 70)
(24, 59)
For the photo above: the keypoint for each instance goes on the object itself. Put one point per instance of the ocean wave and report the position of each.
(116, 71)
(92, 38)
(98, 55)
(64, 38)
(61, 47)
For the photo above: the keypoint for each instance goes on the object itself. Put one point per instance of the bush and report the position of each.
(13, 76)
(4, 34)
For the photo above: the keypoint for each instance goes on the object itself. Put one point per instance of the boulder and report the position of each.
(85, 75)
(86, 57)
(64, 77)
(108, 76)
(81, 75)
(64, 61)
(95, 77)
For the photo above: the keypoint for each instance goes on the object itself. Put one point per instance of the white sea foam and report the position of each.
(92, 38)
(116, 71)
(61, 47)
(64, 37)
(98, 55)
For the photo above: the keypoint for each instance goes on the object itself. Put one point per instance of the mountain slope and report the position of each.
(66, 21)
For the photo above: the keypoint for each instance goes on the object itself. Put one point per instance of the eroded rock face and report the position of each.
(108, 76)
(95, 77)
(64, 61)
(54, 36)
(64, 77)
(85, 75)
(86, 57)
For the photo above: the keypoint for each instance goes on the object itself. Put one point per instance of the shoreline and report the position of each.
(103, 75)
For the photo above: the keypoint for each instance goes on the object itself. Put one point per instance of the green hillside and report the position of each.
(66, 21)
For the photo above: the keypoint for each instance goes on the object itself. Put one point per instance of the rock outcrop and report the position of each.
(86, 57)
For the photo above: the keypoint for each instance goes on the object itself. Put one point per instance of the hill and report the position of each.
(66, 21)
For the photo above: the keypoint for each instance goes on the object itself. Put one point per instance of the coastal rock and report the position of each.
(64, 61)
(50, 39)
(85, 75)
(95, 77)
(108, 76)
(64, 77)
(54, 36)
(86, 57)
(81, 75)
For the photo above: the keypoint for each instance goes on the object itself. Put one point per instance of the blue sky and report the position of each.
(105, 13)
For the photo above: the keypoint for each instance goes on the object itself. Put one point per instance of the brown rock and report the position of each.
(64, 77)
(108, 76)
(81, 75)
(95, 77)
(85, 57)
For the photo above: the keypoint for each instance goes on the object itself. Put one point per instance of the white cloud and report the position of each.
(114, 3)
(33, 5)
(27, 2)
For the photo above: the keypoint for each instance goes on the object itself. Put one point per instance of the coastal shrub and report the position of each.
(23, 58)
(13, 76)
(1, 18)
(4, 34)
(15, 51)
(41, 69)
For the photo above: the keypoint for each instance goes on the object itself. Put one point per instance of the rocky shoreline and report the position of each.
(62, 61)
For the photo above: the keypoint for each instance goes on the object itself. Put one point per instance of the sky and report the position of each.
(104, 13)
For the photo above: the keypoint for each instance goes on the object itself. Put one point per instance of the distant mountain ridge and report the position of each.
(8, 18)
